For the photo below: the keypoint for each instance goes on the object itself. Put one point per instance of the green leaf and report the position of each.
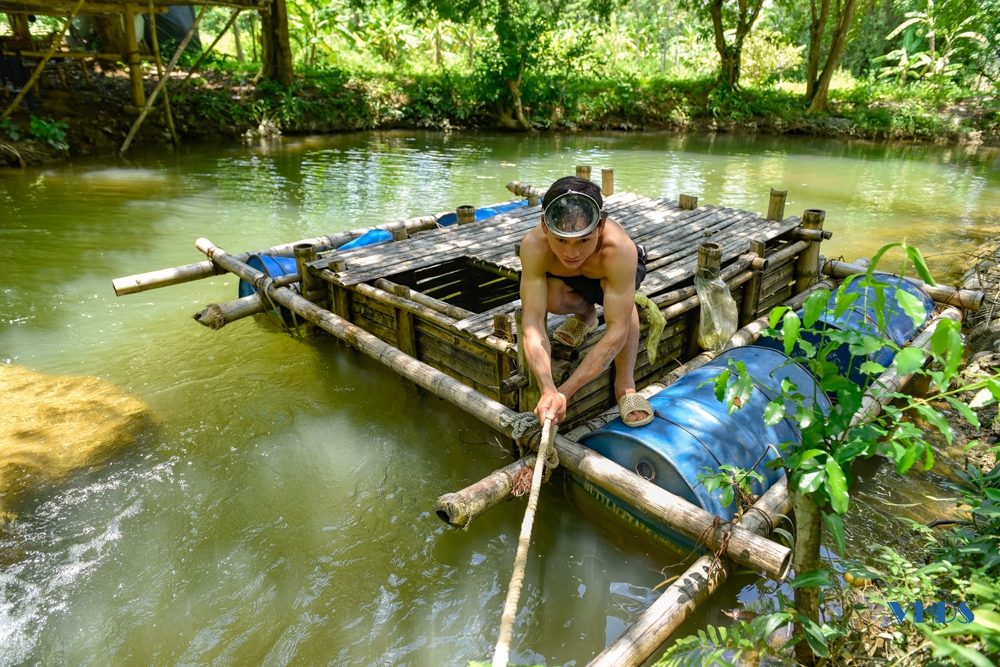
(810, 481)
(844, 302)
(878, 256)
(790, 331)
(947, 345)
(721, 383)
(908, 360)
(982, 398)
(814, 306)
(727, 496)
(764, 626)
(836, 487)
(814, 635)
(938, 420)
(739, 393)
(774, 412)
(920, 265)
(964, 410)
(811, 579)
(912, 306)
(775, 315)
(872, 368)
(835, 525)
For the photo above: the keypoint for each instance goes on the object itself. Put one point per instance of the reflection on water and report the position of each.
(283, 513)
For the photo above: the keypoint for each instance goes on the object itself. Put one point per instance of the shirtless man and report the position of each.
(575, 258)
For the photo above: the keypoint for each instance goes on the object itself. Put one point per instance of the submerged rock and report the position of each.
(52, 426)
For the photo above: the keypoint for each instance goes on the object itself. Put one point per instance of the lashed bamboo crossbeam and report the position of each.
(460, 508)
(880, 393)
(177, 275)
(477, 499)
(525, 190)
(680, 600)
(218, 315)
(741, 545)
(943, 294)
(442, 307)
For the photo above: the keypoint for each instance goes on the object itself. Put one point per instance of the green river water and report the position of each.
(281, 512)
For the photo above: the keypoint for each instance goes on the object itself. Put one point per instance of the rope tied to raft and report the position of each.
(502, 652)
(527, 433)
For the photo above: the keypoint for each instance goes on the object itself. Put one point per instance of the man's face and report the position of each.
(572, 253)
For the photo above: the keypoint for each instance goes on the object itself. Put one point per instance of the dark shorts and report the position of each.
(590, 288)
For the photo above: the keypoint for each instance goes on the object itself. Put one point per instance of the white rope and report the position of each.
(502, 653)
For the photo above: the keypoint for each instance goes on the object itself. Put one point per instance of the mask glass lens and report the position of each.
(572, 215)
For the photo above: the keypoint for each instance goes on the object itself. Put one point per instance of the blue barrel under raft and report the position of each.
(691, 430)
(861, 317)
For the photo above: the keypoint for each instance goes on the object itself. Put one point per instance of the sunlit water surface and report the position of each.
(282, 511)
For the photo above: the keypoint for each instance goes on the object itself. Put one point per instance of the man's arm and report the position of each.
(534, 298)
(619, 300)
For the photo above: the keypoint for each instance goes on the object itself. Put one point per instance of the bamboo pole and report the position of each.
(502, 653)
(807, 269)
(751, 293)
(204, 54)
(159, 74)
(465, 215)
(676, 513)
(583, 171)
(134, 66)
(218, 315)
(944, 294)
(177, 275)
(776, 205)
(486, 494)
(312, 287)
(679, 601)
(607, 181)
(460, 508)
(688, 202)
(162, 82)
(525, 190)
(38, 68)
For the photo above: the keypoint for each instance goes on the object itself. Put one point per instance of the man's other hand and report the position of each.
(552, 405)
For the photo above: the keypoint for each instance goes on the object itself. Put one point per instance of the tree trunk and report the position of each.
(816, 29)
(253, 37)
(731, 55)
(276, 53)
(236, 40)
(819, 101)
(809, 534)
(472, 46)
(111, 33)
(515, 93)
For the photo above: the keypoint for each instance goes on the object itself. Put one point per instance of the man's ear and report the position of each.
(545, 228)
(600, 225)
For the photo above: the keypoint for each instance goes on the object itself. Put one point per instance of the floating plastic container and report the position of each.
(861, 317)
(692, 430)
(484, 213)
(374, 237)
(275, 267)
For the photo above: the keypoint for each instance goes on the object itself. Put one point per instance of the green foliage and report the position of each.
(51, 132)
(732, 483)
(12, 130)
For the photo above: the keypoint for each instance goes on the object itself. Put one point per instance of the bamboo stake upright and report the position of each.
(159, 74)
(163, 81)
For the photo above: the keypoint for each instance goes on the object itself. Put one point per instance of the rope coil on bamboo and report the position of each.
(502, 653)
(527, 433)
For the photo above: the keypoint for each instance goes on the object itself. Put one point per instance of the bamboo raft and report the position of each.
(440, 306)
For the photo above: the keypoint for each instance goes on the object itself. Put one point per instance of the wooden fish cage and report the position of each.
(449, 296)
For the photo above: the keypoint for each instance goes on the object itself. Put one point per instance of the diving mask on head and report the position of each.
(573, 214)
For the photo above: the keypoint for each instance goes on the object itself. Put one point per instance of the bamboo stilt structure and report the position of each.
(477, 499)
(466, 215)
(502, 653)
(688, 202)
(776, 205)
(38, 68)
(162, 82)
(583, 171)
(950, 296)
(159, 74)
(679, 601)
(211, 47)
(678, 514)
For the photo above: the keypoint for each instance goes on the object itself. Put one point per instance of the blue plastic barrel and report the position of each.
(484, 213)
(274, 267)
(374, 237)
(692, 430)
(861, 317)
